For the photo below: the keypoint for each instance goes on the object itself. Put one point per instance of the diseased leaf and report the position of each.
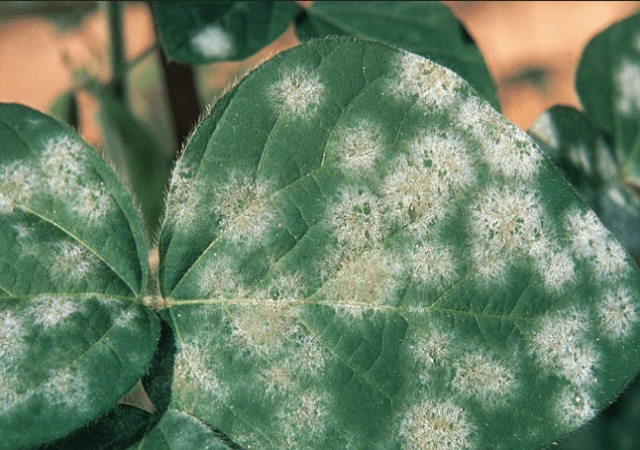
(73, 335)
(359, 252)
(179, 431)
(202, 32)
(585, 156)
(426, 28)
(608, 84)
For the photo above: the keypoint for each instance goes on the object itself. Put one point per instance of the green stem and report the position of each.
(118, 59)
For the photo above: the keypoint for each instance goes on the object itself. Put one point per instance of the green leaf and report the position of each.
(74, 336)
(203, 32)
(359, 252)
(585, 156)
(137, 158)
(608, 84)
(180, 431)
(426, 28)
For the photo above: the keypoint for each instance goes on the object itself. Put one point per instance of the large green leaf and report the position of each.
(359, 252)
(73, 334)
(426, 28)
(583, 153)
(608, 84)
(202, 32)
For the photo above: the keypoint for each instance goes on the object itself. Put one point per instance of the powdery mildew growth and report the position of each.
(452, 282)
(213, 42)
(628, 84)
(298, 93)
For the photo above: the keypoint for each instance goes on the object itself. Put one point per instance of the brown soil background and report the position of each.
(532, 50)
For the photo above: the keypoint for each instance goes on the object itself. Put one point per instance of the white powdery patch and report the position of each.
(62, 162)
(265, 327)
(92, 203)
(67, 389)
(195, 373)
(18, 182)
(357, 147)
(545, 130)
(628, 86)
(432, 347)
(365, 283)
(423, 181)
(592, 241)
(213, 42)
(431, 84)
(12, 333)
(72, 262)
(298, 93)
(305, 419)
(484, 378)
(217, 278)
(513, 157)
(286, 288)
(431, 425)
(356, 220)
(560, 344)
(242, 208)
(504, 223)
(556, 266)
(575, 406)
(183, 197)
(617, 314)
(49, 311)
(433, 264)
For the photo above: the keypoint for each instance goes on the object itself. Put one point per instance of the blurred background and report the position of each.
(532, 50)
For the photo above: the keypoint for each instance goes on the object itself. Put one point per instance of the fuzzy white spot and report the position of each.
(242, 209)
(92, 203)
(433, 347)
(560, 344)
(265, 327)
(72, 262)
(513, 156)
(49, 311)
(431, 84)
(367, 282)
(433, 265)
(298, 93)
(357, 220)
(592, 241)
(556, 266)
(213, 42)
(430, 425)
(357, 147)
(217, 278)
(304, 418)
(617, 314)
(505, 223)
(62, 162)
(183, 197)
(575, 406)
(12, 335)
(545, 130)
(194, 372)
(422, 183)
(628, 85)
(483, 377)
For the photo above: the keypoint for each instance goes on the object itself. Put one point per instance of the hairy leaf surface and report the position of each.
(72, 263)
(359, 252)
(426, 28)
(202, 32)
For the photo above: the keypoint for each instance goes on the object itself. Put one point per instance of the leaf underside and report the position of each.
(359, 252)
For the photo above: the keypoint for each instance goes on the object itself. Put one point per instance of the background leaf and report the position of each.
(359, 252)
(608, 84)
(73, 335)
(587, 159)
(203, 32)
(426, 28)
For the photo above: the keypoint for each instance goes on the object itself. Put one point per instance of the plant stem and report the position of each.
(118, 60)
